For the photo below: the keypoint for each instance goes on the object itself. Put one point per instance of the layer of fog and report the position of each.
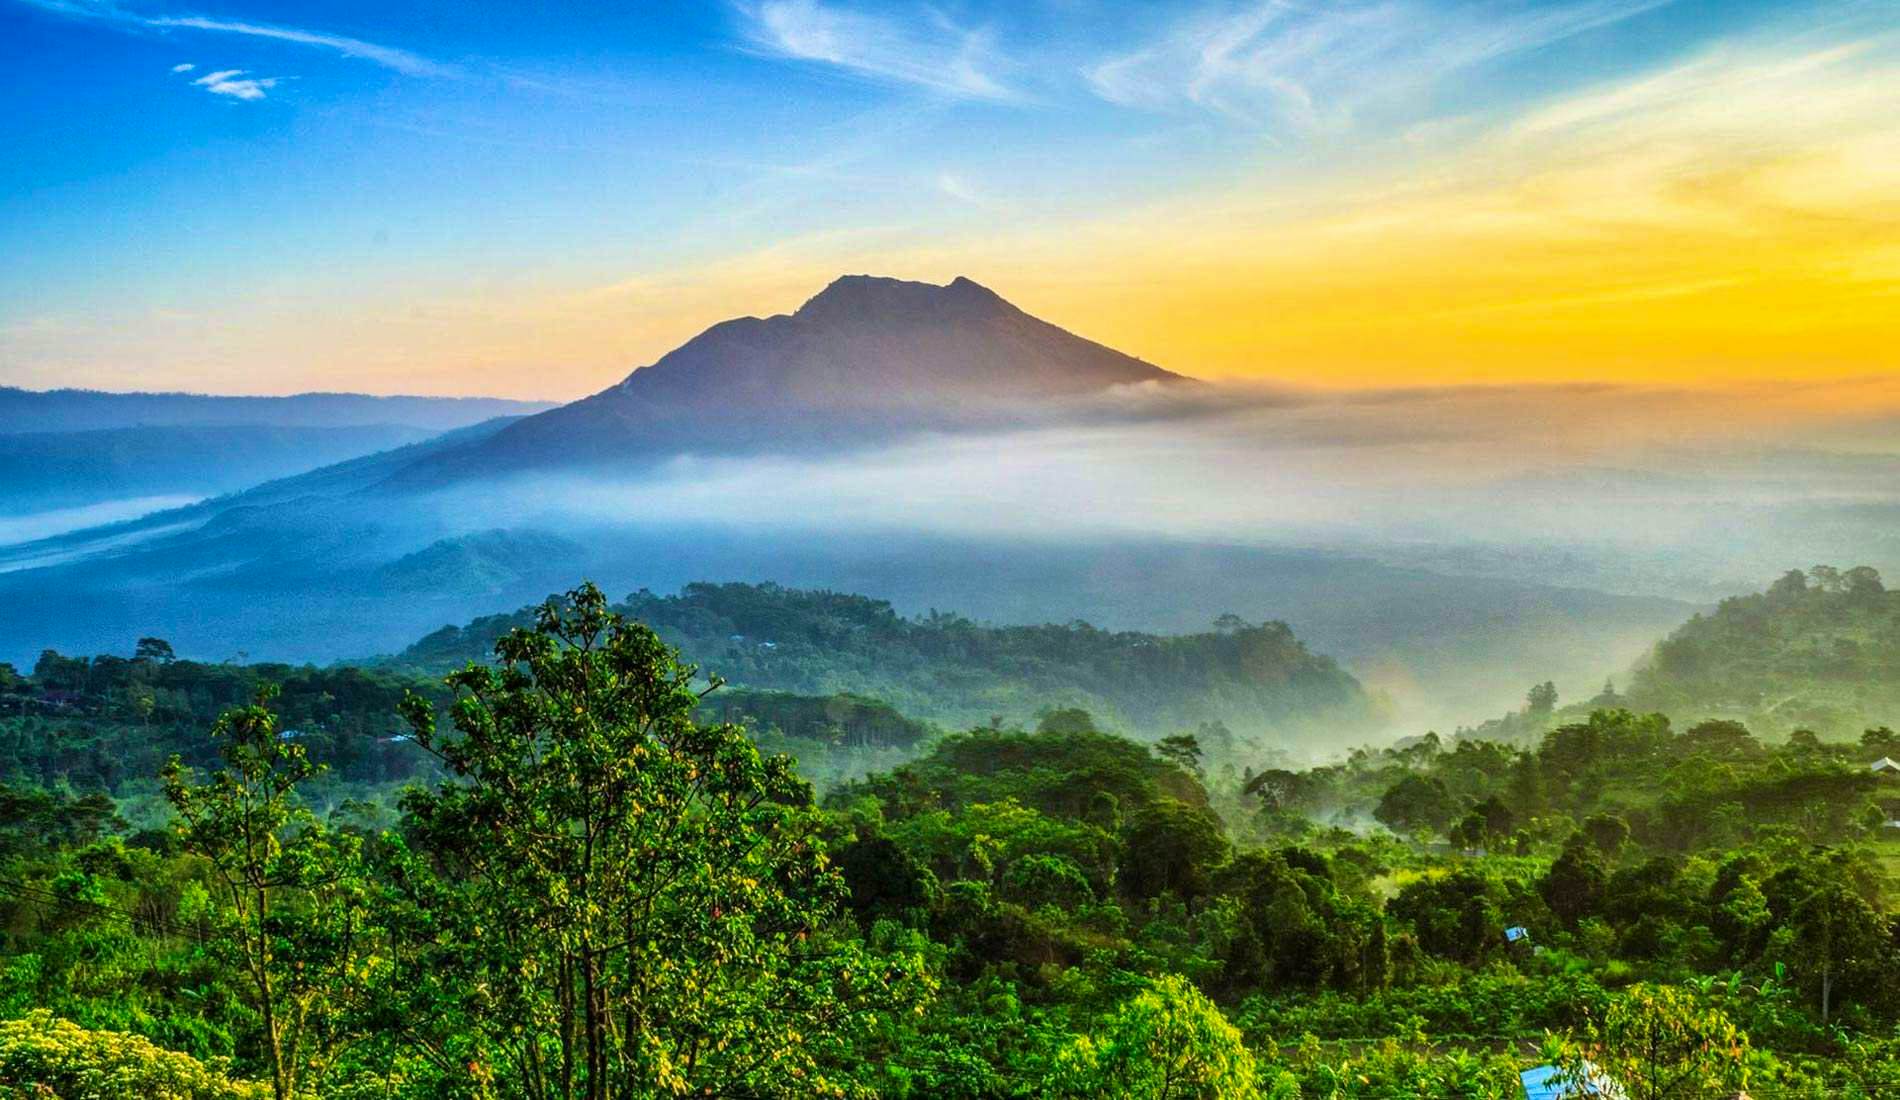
(1689, 494)
(1451, 546)
(33, 526)
(1678, 494)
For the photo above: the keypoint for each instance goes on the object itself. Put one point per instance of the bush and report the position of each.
(43, 1058)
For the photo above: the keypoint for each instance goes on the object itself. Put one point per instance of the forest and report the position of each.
(1257, 678)
(548, 857)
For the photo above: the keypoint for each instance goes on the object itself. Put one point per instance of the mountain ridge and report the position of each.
(73, 409)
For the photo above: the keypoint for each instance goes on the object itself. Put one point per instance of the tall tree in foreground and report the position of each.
(607, 900)
(294, 927)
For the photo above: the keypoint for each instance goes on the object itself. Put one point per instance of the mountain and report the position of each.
(1817, 651)
(866, 360)
(72, 410)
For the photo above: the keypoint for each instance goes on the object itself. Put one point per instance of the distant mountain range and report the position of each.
(93, 410)
(89, 452)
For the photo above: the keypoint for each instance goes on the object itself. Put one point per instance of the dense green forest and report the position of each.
(1818, 650)
(107, 725)
(560, 873)
(1258, 680)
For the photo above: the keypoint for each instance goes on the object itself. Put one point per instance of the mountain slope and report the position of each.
(865, 360)
(1820, 652)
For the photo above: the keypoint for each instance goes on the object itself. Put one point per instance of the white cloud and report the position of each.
(959, 189)
(929, 52)
(389, 57)
(183, 68)
(1310, 68)
(227, 82)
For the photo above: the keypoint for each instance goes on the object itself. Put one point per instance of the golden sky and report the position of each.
(1728, 215)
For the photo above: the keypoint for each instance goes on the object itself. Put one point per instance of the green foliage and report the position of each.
(43, 1058)
(600, 888)
(1167, 1043)
(950, 670)
(1657, 1043)
(1416, 803)
(295, 889)
(1821, 654)
(617, 900)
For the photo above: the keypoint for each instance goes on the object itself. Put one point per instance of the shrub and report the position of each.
(44, 1058)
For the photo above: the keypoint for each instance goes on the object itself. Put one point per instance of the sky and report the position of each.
(530, 200)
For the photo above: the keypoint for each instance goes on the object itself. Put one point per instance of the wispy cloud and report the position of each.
(183, 68)
(928, 51)
(1309, 68)
(389, 57)
(233, 83)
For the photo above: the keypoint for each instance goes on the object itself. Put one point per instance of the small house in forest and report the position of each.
(1884, 766)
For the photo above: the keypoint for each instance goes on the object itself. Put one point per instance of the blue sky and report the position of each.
(242, 195)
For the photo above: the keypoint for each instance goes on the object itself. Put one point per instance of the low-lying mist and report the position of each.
(1450, 547)
(1584, 522)
(1666, 492)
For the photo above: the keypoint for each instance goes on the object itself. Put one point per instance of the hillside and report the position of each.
(1817, 650)
(1256, 679)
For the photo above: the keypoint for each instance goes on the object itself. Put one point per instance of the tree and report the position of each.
(1574, 885)
(1166, 1043)
(611, 901)
(1839, 941)
(886, 882)
(1183, 750)
(1066, 720)
(1542, 699)
(1416, 803)
(154, 649)
(296, 895)
(1277, 788)
(1606, 831)
(1498, 820)
(1170, 847)
(1792, 586)
(1658, 1044)
(1863, 582)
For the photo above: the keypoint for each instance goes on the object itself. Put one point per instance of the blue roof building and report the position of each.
(1549, 1083)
